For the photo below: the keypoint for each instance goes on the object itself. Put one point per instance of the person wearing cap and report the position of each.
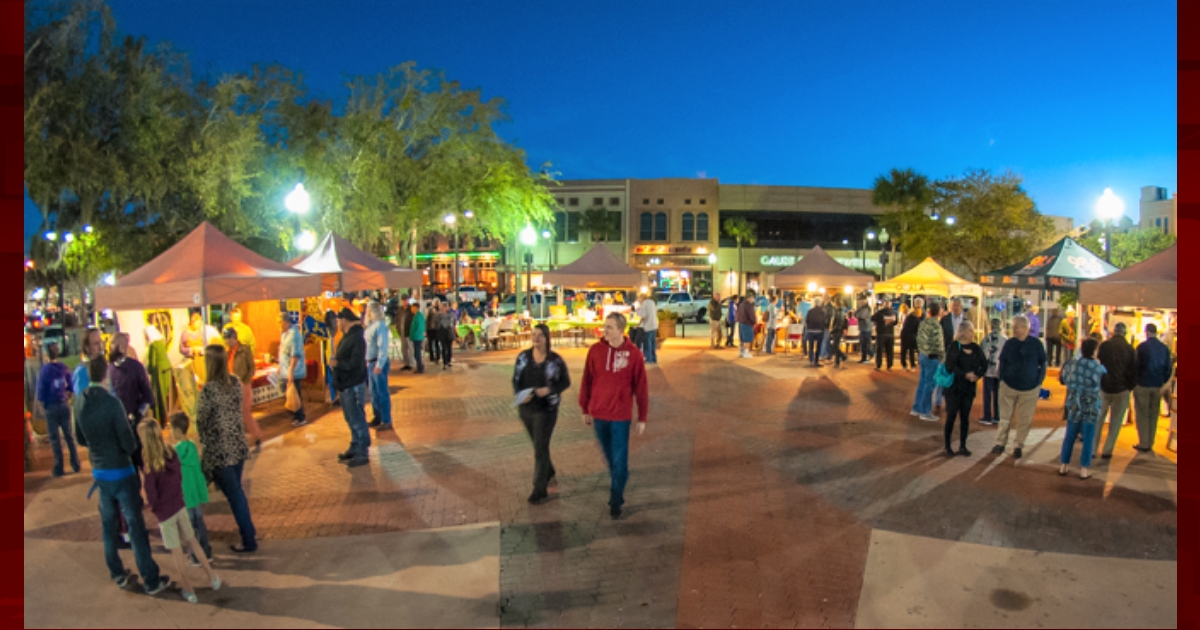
(241, 365)
(1153, 374)
(350, 379)
(292, 368)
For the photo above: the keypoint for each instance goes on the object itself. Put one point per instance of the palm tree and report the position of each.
(600, 223)
(742, 231)
(909, 192)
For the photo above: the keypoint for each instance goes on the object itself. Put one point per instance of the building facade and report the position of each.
(1159, 211)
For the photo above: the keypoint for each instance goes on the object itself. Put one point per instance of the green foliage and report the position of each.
(120, 136)
(1128, 248)
(995, 223)
(741, 231)
(666, 316)
(603, 224)
(906, 193)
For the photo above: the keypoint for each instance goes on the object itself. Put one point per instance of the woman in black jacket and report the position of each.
(966, 361)
(545, 375)
(908, 335)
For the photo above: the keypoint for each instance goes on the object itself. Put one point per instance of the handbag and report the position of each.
(293, 397)
(944, 378)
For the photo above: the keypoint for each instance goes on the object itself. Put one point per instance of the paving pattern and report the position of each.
(751, 500)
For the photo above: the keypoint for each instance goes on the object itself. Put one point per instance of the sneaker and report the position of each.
(190, 597)
(538, 497)
(360, 460)
(299, 422)
(615, 512)
(929, 418)
(374, 424)
(345, 456)
(163, 582)
(1016, 453)
(948, 453)
(997, 450)
(915, 413)
(384, 427)
(216, 584)
(962, 450)
(985, 422)
(193, 561)
(406, 369)
(123, 581)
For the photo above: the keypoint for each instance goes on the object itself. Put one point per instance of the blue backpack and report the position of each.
(944, 378)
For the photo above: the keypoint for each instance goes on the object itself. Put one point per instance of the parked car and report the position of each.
(469, 293)
(682, 305)
(539, 305)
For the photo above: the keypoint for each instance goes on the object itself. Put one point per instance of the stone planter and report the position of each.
(666, 328)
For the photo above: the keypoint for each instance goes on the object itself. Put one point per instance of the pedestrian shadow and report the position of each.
(357, 606)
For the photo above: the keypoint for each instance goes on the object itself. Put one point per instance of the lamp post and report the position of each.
(867, 236)
(884, 259)
(1110, 208)
(297, 202)
(528, 239)
(451, 221)
(66, 238)
(712, 262)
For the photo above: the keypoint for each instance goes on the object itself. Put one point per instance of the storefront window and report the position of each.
(702, 226)
(689, 227)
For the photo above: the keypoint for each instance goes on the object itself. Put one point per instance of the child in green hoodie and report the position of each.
(195, 486)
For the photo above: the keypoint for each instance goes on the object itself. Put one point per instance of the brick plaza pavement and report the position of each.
(762, 494)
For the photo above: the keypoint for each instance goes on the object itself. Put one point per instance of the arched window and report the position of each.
(646, 225)
(660, 226)
(702, 226)
(689, 227)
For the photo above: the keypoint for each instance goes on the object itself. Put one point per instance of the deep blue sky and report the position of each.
(1075, 96)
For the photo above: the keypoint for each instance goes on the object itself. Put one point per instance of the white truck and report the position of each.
(469, 294)
(682, 304)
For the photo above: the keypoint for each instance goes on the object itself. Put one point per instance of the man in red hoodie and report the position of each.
(615, 372)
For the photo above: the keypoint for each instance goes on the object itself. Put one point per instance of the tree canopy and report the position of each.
(1128, 248)
(122, 137)
(977, 222)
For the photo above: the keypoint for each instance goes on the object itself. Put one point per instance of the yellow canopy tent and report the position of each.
(929, 278)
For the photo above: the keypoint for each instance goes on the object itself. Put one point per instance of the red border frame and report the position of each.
(1188, 139)
(12, 196)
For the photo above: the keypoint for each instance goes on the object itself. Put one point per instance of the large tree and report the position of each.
(1128, 248)
(744, 232)
(907, 194)
(978, 222)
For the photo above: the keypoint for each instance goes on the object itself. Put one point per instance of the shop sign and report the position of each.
(652, 250)
(293, 305)
(1068, 283)
(777, 261)
(1037, 280)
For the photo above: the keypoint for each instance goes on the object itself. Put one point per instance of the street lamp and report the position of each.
(869, 235)
(450, 221)
(529, 238)
(297, 202)
(1110, 208)
(712, 262)
(949, 220)
(306, 240)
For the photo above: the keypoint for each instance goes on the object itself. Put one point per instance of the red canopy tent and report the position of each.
(344, 267)
(206, 267)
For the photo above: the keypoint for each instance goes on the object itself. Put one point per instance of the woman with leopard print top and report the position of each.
(219, 423)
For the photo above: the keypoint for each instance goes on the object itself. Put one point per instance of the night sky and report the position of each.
(1075, 96)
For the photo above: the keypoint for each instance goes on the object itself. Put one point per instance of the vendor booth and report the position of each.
(930, 278)
(818, 272)
(1064, 266)
(205, 268)
(1142, 294)
(597, 269)
(344, 267)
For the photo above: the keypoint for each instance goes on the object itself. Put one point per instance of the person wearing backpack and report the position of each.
(966, 362)
(930, 348)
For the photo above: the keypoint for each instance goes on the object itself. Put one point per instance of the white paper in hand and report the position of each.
(522, 397)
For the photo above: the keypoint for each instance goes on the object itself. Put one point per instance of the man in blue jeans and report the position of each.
(613, 376)
(378, 365)
(104, 430)
(350, 379)
(930, 347)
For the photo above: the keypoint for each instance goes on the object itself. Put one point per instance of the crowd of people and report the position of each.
(111, 400)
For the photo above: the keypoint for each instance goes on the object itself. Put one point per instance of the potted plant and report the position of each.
(666, 324)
